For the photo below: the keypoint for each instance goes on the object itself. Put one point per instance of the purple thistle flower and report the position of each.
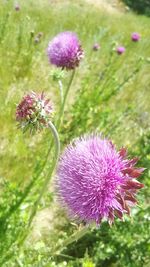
(135, 37)
(17, 7)
(96, 47)
(95, 181)
(65, 51)
(33, 112)
(120, 50)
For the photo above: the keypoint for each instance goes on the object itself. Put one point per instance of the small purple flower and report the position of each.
(96, 47)
(135, 37)
(17, 7)
(120, 50)
(65, 51)
(95, 181)
(33, 112)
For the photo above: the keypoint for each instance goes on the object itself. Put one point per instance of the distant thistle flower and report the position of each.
(65, 51)
(36, 40)
(17, 7)
(95, 181)
(135, 37)
(33, 112)
(120, 50)
(96, 47)
(40, 34)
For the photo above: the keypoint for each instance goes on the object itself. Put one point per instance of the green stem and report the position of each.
(60, 116)
(34, 209)
(49, 174)
(73, 238)
(61, 91)
(55, 159)
(61, 112)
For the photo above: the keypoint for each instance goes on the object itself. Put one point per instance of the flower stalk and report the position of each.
(61, 90)
(54, 162)
(61, 112)
(73, 238)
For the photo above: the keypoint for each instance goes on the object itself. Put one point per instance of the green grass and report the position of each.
(110, 94)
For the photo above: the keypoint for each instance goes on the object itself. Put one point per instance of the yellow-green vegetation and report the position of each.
(110, 93)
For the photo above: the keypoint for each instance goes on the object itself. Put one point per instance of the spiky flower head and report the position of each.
(65, 51)
(135, 36)
(96, 47)
(120, 50)
(95, 181)
(33, 112)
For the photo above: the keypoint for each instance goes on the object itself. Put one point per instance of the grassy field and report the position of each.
(110, 94)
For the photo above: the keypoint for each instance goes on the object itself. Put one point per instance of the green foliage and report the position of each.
(110, 94)
(140, 6)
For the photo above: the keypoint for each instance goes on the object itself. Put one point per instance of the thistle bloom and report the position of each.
(40, 34)
(120, 50)
(96, 47)
(95, 181)
(33, 112)
(17, 7)
(135, 37)
(65, 51)
(36, 40)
